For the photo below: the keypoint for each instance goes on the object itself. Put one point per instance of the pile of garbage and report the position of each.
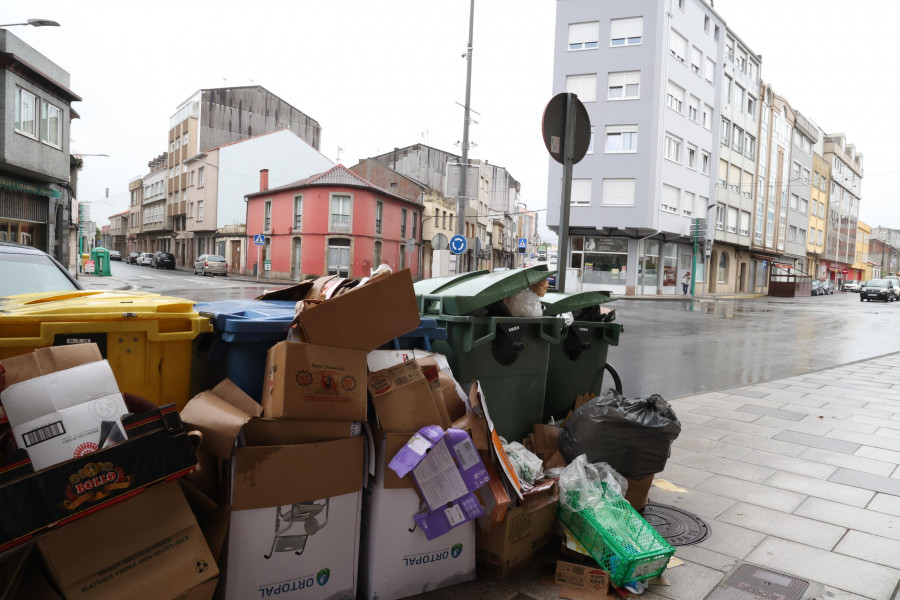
(360, 468)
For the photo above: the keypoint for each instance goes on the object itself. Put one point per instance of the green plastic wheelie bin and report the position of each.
(508, 355)
(577, 363)
(433, 285)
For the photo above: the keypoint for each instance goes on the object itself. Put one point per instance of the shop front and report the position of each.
(603, 262)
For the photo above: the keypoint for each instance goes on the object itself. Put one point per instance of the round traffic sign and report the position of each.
(458, 244)
(553, 127)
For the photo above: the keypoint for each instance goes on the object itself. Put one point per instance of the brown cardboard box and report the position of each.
(314, 382)
(148, 546)
(456, 408)
(402, 399)
(514, 543)
(638, 493)
(24, 577)
(44, 361)
(494, 498)
(366, 317)
(581, 582)
(546, 440)
(432, 375)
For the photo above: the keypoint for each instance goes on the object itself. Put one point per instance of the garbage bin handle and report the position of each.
(489, 336)
(551, 331)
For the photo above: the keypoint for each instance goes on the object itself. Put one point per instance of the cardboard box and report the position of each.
(402, 399)
(366, 317)
(495, 500)
(397, 560)
(512, 545)
(315, 382)
(158, 449)
(582, 582)
(23, 576)
(296, 503)
(638, 493)
(149, 546)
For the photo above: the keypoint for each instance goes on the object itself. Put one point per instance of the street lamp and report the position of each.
(34, 23)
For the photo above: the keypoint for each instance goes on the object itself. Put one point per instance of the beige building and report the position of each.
(861, 264)
(818, 211)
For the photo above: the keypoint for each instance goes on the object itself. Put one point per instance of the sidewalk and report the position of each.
(799, 476)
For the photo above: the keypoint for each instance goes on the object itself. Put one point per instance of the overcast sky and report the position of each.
(379, 74)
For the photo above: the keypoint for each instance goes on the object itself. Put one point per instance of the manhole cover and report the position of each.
(679, 527)
(763, 583)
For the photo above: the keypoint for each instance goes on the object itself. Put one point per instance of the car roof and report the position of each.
(14, 248)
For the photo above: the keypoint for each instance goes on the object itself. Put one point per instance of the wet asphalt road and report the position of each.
(681, 347)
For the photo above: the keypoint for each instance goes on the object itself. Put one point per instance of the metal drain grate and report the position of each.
(679, 527)
(763, 583)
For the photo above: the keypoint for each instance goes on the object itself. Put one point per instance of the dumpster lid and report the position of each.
(556, 303)
(257, 316)
(434, 284)
(470, 294)
(94, 306)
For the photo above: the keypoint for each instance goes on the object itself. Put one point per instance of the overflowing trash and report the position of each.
(341, 438)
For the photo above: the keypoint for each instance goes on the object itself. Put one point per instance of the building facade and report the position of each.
(843, 207)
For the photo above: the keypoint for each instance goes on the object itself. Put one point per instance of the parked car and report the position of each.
(896, 281)
(132, 258)
(852, 286)
(163, 260)
(815, 287)
(115, 255)
(211, 264)
(27, 270)
(878, 289)
(826, 286)
(145, 259)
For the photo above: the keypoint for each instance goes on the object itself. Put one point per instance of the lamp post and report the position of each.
(34, 23)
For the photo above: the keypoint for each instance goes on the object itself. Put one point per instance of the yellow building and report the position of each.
(863, 233)
(818, 209)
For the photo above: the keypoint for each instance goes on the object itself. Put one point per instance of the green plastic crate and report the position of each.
(618, 538)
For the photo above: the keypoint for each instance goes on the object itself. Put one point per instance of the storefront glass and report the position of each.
(603, 261)
(670, 264)
(650, 272)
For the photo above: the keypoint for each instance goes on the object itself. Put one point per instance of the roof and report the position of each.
(338, 175)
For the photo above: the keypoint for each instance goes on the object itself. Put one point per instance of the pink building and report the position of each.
(335, 222)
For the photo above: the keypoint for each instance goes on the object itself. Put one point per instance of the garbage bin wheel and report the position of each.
(615, 375)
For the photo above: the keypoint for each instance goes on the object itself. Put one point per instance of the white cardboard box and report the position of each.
(397, 560)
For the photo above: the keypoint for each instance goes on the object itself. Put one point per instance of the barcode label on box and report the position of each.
(650, 567)
(42, 434)
(467, 454)
(454, 515)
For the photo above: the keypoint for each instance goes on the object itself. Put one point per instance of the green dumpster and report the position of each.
(577, 362)
(435, 284)
(100, 257)
(508, 355)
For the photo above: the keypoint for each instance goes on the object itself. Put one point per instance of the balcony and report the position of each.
(340, 222)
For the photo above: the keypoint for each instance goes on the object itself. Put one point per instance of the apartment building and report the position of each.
(804, 136)
(818, 208)
(212, 118)
(843, 207)
(648, 73)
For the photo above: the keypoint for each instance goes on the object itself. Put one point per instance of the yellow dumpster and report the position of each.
(147, 338)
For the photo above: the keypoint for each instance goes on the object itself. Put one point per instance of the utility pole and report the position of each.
(462, 201)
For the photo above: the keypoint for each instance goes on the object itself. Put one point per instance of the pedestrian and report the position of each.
(840, 284)
(685, 283)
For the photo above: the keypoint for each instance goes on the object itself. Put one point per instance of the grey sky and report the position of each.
(378, 74)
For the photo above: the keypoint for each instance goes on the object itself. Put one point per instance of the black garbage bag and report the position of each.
(633, 435)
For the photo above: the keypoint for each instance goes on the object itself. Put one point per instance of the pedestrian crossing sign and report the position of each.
(522, 242)
(259, 240)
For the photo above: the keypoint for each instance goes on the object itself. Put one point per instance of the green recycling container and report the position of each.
(577, 362)
(508, 355)
(435, 284)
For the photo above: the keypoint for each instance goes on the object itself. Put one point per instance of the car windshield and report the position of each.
(215, 258)
(880, 283)
(31, 273)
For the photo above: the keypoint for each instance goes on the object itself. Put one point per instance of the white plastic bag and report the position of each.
(524, 304)
(529, 468)
(583, 484)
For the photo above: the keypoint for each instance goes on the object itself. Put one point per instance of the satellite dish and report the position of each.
(440, 242)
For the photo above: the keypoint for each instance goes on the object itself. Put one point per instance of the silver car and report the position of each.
(145, 259)
(896, 281)
(211, 264)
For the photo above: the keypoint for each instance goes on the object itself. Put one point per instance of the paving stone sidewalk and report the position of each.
(798, 475)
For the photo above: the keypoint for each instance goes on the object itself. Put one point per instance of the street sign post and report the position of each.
(259, 239)
(458, 244)
(523, 244)
(698, 233)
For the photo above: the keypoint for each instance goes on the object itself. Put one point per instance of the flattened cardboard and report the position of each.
(315, 382)
(151, 547)
(432, 375)
(513, 545)
(494, 498)
(44, 361)
(402, 399)
(546, 440)
(366, 317)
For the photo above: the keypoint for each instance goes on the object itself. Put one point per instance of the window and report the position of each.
(749, 146)
(267, 222)
(340, 212)
(624, 86)
(737, 139)
(801, 236)
(621, 138)
(51, 125)
(795, 202)
(754, 70)
(741, 61)
(696, 60)
(581, 192)
(403, 224)
(626, 32)
(726, 131)
(584, 86)
(200, 210)
(379, 215)
(339, 254)
(401, 263)
(707, 116)
(747, 186)
(745, 223)
(720, 216)
(729, 49)
(201, 177)
(722, 275)
(704, 162)
(298, 213)
(26, 109)
(673, 148)
(792, 233)
(795, 172)
(677, 45)
(414, 219)
(706, 23)
(689, 200)
(710, 73)
(674, 97)
(804, 176)
(617, 192)
(821, 210)
(670, 198)
(731, 224)
(184, 140)
(751, 107)
(734, 178)
(584, 36)
(804, 206)
(692, 156)
(818, 237)
(726, 89)
(376, 258)
(694, 109)
(723, 174)
(590, 149)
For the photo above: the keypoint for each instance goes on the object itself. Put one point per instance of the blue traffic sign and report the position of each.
(458, 244)
(523, 242)
(259, 240)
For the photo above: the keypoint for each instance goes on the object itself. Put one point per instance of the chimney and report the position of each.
(263, 180)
